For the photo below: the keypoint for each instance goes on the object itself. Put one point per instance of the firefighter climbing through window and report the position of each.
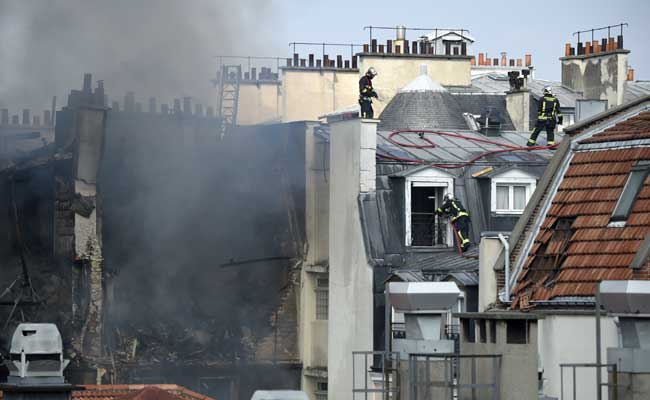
(459, 217)
(548, 116)
(366, 93)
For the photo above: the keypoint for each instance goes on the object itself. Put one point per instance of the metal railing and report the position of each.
(428, 230)
(454, 376)
(384, 367)
(610, 367)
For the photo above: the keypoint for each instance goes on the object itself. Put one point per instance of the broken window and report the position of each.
(633, 186)
(322, 298)
(517, 331)
(427, 229)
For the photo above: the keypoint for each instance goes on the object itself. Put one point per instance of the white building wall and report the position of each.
(567, 339)
(352, 171)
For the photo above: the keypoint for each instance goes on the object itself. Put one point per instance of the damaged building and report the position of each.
(251, 246)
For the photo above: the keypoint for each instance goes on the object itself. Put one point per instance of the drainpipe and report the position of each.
(506, 246)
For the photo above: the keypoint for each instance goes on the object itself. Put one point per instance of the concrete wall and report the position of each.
(259, 102)
(489, 251)
(396, 71)
(518, 371)
(352, 163)
(309, 93)
(599, 76)
(572, 339)
(518, 106)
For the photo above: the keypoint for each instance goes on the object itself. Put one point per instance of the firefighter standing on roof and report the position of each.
(548, 116)
(366, 93)
(459, 217)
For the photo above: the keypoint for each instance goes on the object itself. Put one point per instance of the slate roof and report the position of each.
(575, 248)
(440, 110)
(635, 90)
(422, 110)
(498, 83)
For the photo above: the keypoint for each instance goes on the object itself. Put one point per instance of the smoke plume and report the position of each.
(162, 48)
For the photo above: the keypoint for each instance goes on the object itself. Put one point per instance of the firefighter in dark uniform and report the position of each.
(459, 217)
(366, 93)
(548, 116)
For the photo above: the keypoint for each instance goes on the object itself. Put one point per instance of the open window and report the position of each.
(424, 190)
(633, 186)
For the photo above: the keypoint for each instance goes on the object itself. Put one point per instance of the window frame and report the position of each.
(510, 181)
(633, 186)
(422, 179)
(318, 293)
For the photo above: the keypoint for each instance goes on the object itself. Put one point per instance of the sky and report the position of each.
(516, 27)
(167, 48)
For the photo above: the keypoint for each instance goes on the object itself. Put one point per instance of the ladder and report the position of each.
(229, 96)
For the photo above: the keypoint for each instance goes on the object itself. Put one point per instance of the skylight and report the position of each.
(633, 186)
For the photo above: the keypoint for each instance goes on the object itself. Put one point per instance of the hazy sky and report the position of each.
(516, 27)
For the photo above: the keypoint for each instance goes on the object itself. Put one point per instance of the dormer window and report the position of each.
(424, 189)
(633, 186)
(511, 190)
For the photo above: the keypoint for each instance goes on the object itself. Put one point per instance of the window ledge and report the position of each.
(507, 212)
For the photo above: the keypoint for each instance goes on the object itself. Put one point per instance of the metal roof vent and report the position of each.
(36, 351)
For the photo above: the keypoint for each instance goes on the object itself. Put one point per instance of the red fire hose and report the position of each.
(505, 148)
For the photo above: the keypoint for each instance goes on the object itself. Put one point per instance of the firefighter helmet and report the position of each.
(372, 72)
(447, 197)
(547, 90)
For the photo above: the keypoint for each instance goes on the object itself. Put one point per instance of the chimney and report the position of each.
(518, 107)
(598, 70)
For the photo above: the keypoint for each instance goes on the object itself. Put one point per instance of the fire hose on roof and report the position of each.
(505, 148)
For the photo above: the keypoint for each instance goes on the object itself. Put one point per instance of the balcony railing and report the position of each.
(428, 230)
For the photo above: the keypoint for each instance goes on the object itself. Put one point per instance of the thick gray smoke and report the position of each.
(162, 48)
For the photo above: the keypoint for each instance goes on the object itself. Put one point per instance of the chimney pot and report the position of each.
(406, 47)
(567, 49)
(288, 62)
(512, 62)
(311, 60)
(398, 49)
(519, 63)
(389, 46)
(187, 105)
(630, 74)
(152, 105)
(15, 120)
(254, 72)
(295, 59)
(354, 62)
(414, 47)
(303, 62)
(587, 47)
(46, 117)
(619, 42)
(5, 117)
(26, 119)
(339, 60)
(347, 64)
(481, 59)
(366, 48)
(529, 60)
(496, 62)
(594, 46)
(504, 60)
(380, 49)
(373, 45)
(472, 61)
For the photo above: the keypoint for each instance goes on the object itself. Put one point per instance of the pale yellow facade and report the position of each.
(305, 94)
(259, 102)
(309, 93)
(395, 72)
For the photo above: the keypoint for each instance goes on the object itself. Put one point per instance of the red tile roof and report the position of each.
(135, 392)
(574, 248)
